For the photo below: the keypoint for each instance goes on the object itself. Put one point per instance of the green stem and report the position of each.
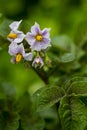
(44, 78)
(42, 75)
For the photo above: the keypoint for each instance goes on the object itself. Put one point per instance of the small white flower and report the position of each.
(17, 52)
(38, 39)
(15, 35)
(38, 62)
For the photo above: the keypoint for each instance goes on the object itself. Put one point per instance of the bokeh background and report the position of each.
(64, 17)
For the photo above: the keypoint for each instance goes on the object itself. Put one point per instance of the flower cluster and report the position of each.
(36, 41)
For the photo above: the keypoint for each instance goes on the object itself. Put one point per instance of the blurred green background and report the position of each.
(67, 17)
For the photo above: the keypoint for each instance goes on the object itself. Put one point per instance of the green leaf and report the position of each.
(4, 31)
(9, 120)
(51, 118)
(74, 79)
(63, 43)
(4, 27)
(78, 87)
(29, 120)
(67, 57)
(81, 37)
(83, 98)
(76, 65)
(9, 117)
(7, 90)
(46, 97)
(79, 53)
(73, 114)
(34, 122)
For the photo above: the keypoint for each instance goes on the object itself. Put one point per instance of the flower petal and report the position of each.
(30, 38)
(46, 32)
(14, 25)
(28, 56)
(14, 49)
(20, 37)
(35, 29)
(36, 46)
(20, 49)
(45, 43)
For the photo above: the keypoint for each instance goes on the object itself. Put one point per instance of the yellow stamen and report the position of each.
(39, 37)
(12, 35)
(18, 57)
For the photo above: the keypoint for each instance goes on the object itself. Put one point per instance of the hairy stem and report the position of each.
(42, 75)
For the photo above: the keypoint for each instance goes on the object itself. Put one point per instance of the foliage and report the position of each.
(53, 97)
